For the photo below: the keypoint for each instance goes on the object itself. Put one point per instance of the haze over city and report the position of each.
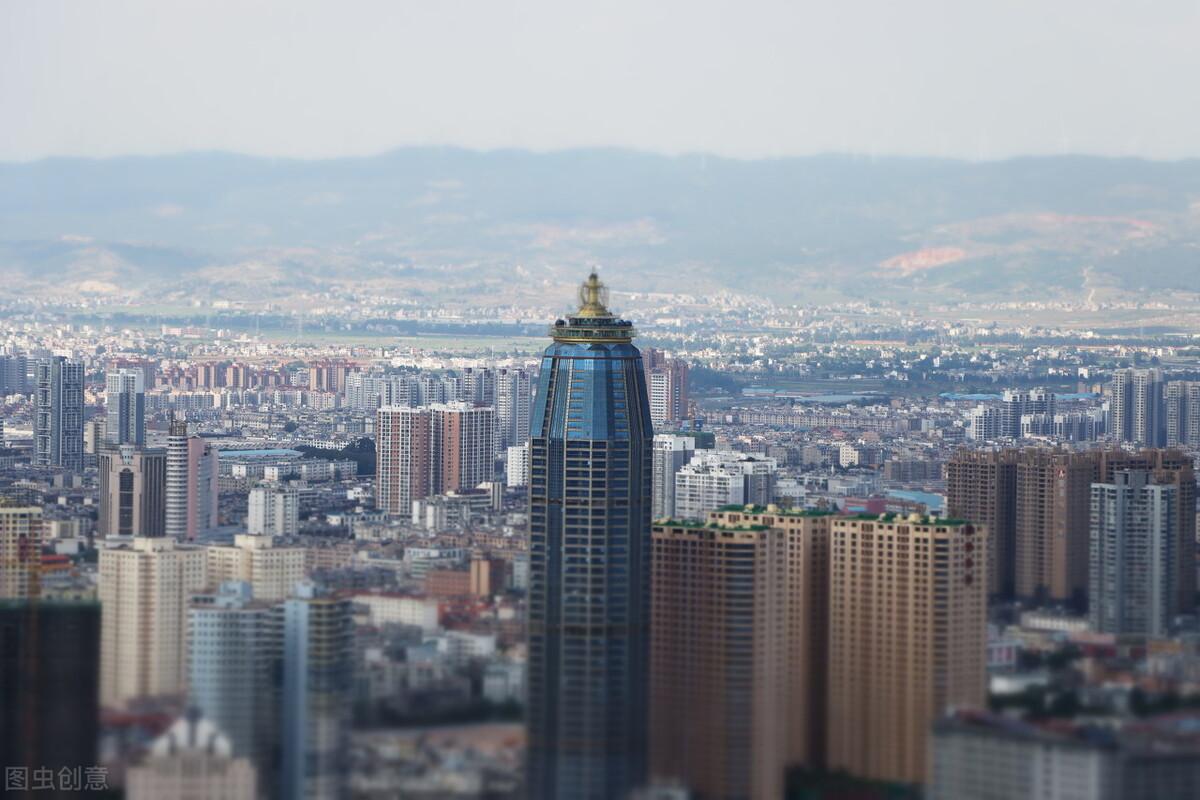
(670, 401)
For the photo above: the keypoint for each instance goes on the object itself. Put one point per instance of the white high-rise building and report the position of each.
(671, 453)
(716, 478)
(517, 468)
(1139, 407)
(273, 511)
(512, 407)
(125, 401)
(144, 589)
(193, 492)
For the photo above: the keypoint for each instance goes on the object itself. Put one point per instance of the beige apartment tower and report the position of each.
(981, 485)
(20, 551)
(145, 587)
(718, 658)
(807, 556)
(272, 571)
(907, 638)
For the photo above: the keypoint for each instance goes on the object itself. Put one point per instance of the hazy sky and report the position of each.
(970, 78)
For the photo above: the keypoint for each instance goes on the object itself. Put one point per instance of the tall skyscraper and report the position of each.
(982, 486)
(671, 453)
(14, 374)
(318, 685)
(193, 492)
(144, 590)
(125, 401)
(667, 385)
(589, 535)
(478, 386)
(235, 656)
(20, 551)
(1183, 414)
(58, 414)
(512, 407)
(133, 492)
(719, 658)
(1133, 566)
(908, 637)
(1138, 407)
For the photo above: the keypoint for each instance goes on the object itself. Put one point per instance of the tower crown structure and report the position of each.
(593, 322)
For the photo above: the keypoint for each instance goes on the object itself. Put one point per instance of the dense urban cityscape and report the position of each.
(528, 400)
(821, 552)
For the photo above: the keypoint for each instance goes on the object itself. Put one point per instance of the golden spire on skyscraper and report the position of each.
(593, 298)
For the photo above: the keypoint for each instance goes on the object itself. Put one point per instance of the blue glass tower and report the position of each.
(589, 551)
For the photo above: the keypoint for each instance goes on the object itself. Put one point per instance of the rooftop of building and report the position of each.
(696, 525)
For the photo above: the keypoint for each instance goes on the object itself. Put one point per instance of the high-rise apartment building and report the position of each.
(133, 491)
(719, 658)
(1053, 506)
(981, 485)
(273, 511)
(270, 570)
(1183, 414)
(716, 478)
(145, 587)
(1138, 407)
(589, 557)
(235, 655)
(907, 638)
(125, 404)
(20, 551)
(14, 374)
(667, 384)
(1133, 566)
(512, 407)
(58, 414)
(478, 386)
(517, 466)
(318, 686)
(192, 489)
(1017, 403)
(463, 443)
(403, 456)
(671, 453)
(1173, 468)
(431, 449)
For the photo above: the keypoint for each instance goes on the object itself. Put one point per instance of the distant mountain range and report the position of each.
(428, 223)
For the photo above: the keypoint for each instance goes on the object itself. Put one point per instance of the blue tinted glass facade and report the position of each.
(589, 537)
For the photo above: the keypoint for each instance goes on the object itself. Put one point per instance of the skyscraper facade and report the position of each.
(667, 386)
(1132, 566)
(589, 542)
(193, 492)
(908, 637)
(512, 407)
(1138, 407)
(981, 485)
(125, 402)
(133, 491)
(719, 658)
(20, 551)
(318, 686)
(1183, 414)
(58, 414)
(403, 448)
(671, 453)
(463, 442)
(144, 591)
